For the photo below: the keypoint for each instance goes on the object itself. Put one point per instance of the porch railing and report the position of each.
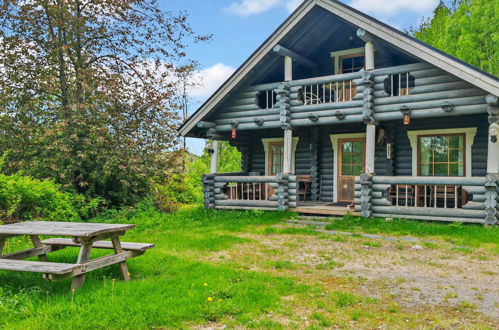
(244, 191)
(428, 198)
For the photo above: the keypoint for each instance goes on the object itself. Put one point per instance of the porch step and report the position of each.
(311, 217)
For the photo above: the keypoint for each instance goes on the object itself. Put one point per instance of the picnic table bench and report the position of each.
(83, 235)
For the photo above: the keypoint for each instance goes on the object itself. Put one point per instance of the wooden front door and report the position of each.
(351, 163)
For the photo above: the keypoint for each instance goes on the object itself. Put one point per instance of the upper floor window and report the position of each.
(352, 63)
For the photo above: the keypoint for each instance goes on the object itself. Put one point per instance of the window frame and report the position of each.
(419, 136)
(267, 141)
(354, 55)
(470, 133)
(271, 156)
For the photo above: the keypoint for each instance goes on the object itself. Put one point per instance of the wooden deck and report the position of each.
(321, 208)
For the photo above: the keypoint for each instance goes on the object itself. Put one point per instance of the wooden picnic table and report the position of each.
(83, 235)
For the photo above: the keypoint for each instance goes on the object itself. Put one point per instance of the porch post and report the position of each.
(369, 48)
(214, 157)
(288, 141)
(370, 148)
(492, 178)
(288, 68)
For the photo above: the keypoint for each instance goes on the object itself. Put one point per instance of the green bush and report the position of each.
(25, 198)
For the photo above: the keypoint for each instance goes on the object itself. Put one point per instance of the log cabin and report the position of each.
(338, 112)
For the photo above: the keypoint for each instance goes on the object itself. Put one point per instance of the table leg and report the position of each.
(2, 244)
(37, 243)
(83, 257)
(123, 266)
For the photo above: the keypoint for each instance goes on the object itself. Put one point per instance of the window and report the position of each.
(352, 157)
(399, 84)
(352, 63)
(441, 155)
(266, 99)
(274, 154)
(276, 157)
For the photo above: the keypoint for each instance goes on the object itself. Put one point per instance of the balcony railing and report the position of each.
(245, 191)
(428, 198)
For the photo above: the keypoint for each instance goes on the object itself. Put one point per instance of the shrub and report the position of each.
(25, 198)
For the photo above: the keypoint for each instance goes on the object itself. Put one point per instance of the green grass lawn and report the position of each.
(176, 285)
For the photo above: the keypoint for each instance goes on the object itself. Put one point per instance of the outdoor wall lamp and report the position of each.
(494, 132)
(209, 147)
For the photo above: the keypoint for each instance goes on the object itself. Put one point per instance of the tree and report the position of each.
(86, 91)
(466, 29)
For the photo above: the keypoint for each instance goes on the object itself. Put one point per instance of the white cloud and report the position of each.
(291, 5)
(251, 7)
(392, 7)
(211, 78)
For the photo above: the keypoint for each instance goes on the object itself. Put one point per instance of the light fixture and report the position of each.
(406, 112)
(494, 132)
(447, 106)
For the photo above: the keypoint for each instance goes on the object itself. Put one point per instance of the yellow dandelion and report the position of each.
(210, 299)
(205, 284)
(219, 300)
(128, 273)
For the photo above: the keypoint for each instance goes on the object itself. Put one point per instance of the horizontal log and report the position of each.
(435, 180)
(245, 179)
(249, 126)
(419, 74)
(219, 207)
(380, 91)
(402, 68)
(283, 51)
(428, 211)
(407, 99)
(328, 106)
(461, 101)
(376, 202)
(244, 120)
(246, 107)
(428, 218)
(263, 87)
(432, 113)
(244, 101)
(246, 203)
(327, 120)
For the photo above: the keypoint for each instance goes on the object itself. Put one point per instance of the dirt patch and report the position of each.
(413, 275)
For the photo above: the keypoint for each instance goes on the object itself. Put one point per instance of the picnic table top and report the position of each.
(53, 228)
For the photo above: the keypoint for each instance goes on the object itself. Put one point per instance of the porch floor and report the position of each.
(323, 208)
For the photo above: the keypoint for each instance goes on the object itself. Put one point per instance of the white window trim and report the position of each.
(266, 142)
(336, 56)
(470, 133)
(334, 142)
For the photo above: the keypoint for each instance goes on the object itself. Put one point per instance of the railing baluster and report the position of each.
(407, 83)
(350, 88)
(455, 197)
(317, 96)
(445, 197)
(416, 197)
(406, 195)
(330, 93)
(272, 100)
(324, 92)
(391, 90)
(343, 91)
(336, 92)
(435, 194)
(397, 195)
(425, 193)
(400, 84)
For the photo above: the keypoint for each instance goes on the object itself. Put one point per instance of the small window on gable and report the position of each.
(352, 63)
(266, 99)
(399, 84)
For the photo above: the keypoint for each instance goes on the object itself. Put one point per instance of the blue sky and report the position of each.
(240, 26)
